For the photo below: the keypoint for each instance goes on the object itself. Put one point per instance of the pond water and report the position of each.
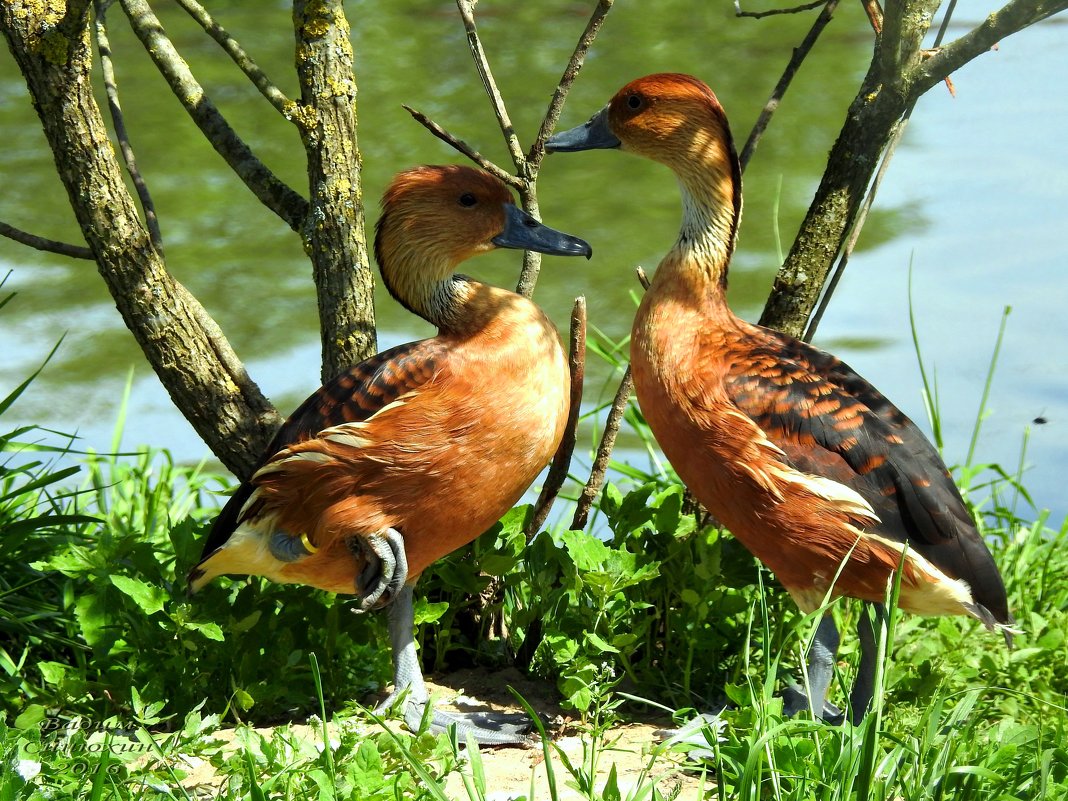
(974, 204)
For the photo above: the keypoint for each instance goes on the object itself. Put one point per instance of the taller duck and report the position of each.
(416, 451)
(804, 461)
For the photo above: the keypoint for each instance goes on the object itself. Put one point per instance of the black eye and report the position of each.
(634, 101)
(468, 199)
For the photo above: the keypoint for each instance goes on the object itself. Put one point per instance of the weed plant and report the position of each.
(115, 684)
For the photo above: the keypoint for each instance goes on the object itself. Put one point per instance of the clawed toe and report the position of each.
(386, 570)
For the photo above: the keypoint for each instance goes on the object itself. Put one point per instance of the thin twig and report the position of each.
(558, 471)
(467, 13)
(875, 15)
(464, 148)
(578, 58)
(800, 53)
(244, 61)
(1012, 17)
(854, 233)
(272, 191)
(604, 452)
(40, 243)
(608, 438)
(111, 89)
(775, 11)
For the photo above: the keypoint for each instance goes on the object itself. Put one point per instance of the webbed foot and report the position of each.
(487, 728)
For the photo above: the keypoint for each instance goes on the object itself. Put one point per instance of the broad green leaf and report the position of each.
(148, 597)
(52, 672)
(210, 630)
(600, 644)
(30, 717)
(92, 616)
(427, 612)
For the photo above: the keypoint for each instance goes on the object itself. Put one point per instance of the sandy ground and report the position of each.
(509, 771)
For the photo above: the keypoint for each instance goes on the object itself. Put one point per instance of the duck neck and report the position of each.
(429, 288)
(711, 210)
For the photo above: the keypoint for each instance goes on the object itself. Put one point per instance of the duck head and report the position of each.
(676, 120)
(668, 117)
(434, 217)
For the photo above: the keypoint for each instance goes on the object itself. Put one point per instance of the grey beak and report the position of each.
(591, 135)
(523, 232)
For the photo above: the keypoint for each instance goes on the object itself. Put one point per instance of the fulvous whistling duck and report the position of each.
(416, 451)
(806, 463)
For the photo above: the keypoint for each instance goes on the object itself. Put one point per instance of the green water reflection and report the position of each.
(248, 268)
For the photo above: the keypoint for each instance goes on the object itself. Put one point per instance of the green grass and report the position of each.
(115, 684)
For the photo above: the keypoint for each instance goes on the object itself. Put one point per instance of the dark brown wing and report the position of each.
(831, 422)
(352, 397)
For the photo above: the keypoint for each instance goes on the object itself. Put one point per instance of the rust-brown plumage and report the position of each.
(418, 450)
(798, 456)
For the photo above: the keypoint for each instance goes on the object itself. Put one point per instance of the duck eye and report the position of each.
(634, 101)
(468, 199)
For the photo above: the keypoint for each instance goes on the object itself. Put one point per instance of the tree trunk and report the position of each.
(869, 124)
(334, 229)
(900, 72)
(50, 42)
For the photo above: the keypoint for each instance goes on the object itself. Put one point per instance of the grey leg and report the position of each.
(820, 671)
(864, 684)
(386, 571)
(408, 678)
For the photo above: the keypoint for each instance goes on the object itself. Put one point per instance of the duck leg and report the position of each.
(864, 684)
(408, 678)
(820, 670)
(384, 581)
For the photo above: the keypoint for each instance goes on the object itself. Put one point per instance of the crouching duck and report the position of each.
(416, 451)
(805, 462)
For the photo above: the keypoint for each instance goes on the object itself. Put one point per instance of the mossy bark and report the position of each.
(853, 160)
(50, 42)
(883, 99)
(334, 231)
(900, 72)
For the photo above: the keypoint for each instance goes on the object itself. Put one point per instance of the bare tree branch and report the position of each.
(40, 243)
(574, 65)
(557, 474)
(799, 55)
(467, 14)
(604, 452)
(854, 233)
(111, 89)
(466, 149)
(775, 11)
(243, 60)
(528, 276)
(1011, 18)
(875, 15)
(271, 190)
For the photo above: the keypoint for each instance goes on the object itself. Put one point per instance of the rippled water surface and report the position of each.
(975, 201)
